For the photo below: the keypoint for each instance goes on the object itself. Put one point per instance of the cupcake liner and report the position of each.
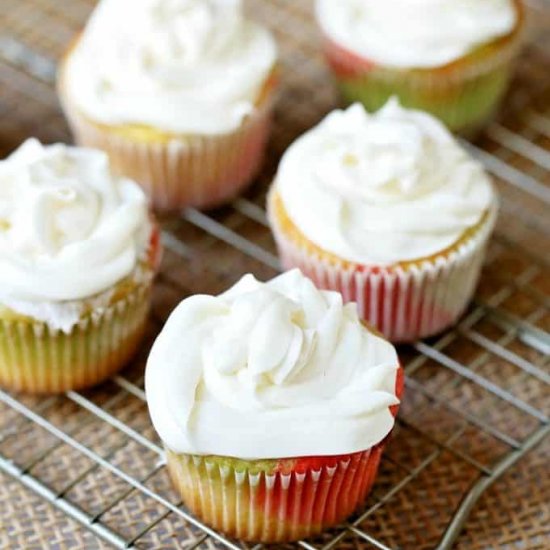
(273, 506)
(200, 171)
(464, 94)
(35, 358)
(277, 500)
(404, 303)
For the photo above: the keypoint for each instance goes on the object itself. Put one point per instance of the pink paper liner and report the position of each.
(194, 170)
(404, 304)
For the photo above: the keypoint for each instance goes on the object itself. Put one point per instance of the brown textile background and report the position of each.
(436, 454)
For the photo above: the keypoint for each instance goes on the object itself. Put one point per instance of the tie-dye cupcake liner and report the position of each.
(198, 171)
(464, 94)
(270, 506)
(276, 500)
(35, 358)
(404, 302)
(179, 171)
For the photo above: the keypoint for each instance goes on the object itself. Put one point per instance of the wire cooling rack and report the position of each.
(477, 397)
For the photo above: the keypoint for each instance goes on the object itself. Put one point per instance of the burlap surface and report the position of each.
(436, 453)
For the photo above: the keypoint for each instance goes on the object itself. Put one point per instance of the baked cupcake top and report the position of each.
(381, 189)
(415, 33)
(183, 66)
(68, 228)
(270, 370)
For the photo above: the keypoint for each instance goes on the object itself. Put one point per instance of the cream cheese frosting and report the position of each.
(382, 189)
(415, 33)
(270, 370)
(69, 230)
(183, 66)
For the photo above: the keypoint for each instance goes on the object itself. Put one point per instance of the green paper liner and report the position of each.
(465, 94)
(35, 358)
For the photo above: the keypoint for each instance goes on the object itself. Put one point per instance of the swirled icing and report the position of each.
(270, 370)
(183, 66)
(384, 188)
(415, 33)
(69, 229)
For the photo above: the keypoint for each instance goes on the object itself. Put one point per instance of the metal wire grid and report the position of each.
(476, 397)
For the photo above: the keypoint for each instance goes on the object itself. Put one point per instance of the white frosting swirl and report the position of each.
(415, 33)
(182, 66)
(270, 370)
(68, 228)
(381, 189)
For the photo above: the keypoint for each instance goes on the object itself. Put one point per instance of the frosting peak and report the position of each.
(68, 229)
(178, 65)
(415, 33)
(267, 317)
(383, 188)
(270, 370)
(384, 158)
(186, 31)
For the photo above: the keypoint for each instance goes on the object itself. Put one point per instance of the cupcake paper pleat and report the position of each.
(274, 506)
(198, 171)
(403, 303)
(37, 359)
(465, 95)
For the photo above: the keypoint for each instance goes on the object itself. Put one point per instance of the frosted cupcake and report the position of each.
(390, 211)
(274, 403)
(452, 58)
(77, 257)
(177, 92)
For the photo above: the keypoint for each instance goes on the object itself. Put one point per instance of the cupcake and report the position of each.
(77, 256)
(274, 402)
(453, 59)
(179, 95)
(390, 211)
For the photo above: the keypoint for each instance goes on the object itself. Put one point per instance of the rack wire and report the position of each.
(477, 397)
